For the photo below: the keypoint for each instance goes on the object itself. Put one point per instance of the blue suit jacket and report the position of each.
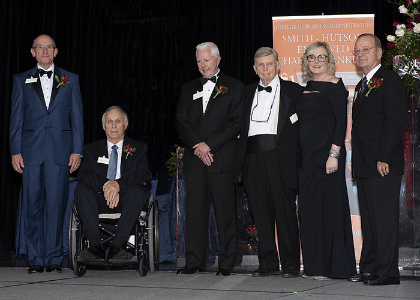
(31, 123)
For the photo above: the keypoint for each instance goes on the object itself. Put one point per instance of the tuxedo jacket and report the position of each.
(218, 127)
(287, 132)
(379, 121)
(134, 167)
(31, 123)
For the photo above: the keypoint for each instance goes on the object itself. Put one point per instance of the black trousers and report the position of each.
(379, 211)
(90, 204)
(272, 203)
(199, 187)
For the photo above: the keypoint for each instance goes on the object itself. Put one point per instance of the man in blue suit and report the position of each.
(46, 143)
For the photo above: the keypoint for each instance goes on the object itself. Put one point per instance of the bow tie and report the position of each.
(268, 89)
(204, 80)
(42, 72)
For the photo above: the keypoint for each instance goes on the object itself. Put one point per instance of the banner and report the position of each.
(291, 37)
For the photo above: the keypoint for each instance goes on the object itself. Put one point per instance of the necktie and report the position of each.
(204, 79)
(267, 88)
(363, 86)
(112, 166)
(42, 72)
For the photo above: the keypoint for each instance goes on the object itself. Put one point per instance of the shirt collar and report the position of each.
(372, 72)
(119, 144)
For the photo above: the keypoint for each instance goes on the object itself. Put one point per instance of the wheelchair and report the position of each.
(143, 243)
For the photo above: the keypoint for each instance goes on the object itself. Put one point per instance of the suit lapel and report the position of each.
(55, 84)
(283, 110)
(37, 86)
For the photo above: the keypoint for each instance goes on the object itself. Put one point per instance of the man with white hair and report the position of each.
(209, 118)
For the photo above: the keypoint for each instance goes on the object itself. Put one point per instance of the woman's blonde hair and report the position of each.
(305, 63)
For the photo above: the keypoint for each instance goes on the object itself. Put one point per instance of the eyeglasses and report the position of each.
(41, 47)
(321, 58)
(363, 51)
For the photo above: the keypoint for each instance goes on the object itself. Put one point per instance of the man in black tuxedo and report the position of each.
(268, 157)
(209, 118)
(379, 120)
(111, 180)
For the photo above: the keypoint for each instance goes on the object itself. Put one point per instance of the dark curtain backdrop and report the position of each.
(138, 54)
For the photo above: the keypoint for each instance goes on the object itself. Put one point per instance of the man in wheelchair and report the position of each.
(114, 177)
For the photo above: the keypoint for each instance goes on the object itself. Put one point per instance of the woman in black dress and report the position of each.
(324, 215)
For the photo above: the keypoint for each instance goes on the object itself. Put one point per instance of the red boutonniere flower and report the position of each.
(63, 80)
(127, 149)
(251, 230)
(374, 84)
(220, 90)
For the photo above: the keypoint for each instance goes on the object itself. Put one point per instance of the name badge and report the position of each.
(103, 160)
(31, 80)
(293, 118)
(198, 95)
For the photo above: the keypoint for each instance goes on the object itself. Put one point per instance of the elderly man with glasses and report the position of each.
(46, 143)
(268, 155)
(379, 120)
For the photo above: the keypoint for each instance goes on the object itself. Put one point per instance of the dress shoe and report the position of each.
(224, 272)
(361, 277)
(290, 274)
(53, 269)
(382, 280)
(93, 252)
(35, 269)
(116, 253)
(188, 270)
(263, 273)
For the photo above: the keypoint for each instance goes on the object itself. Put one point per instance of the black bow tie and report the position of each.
(42, 72)
(268, 89)
(204, 80)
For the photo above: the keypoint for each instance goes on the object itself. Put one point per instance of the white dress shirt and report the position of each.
(47, 85)
(119, 151)
(208, 90)
(263, 103)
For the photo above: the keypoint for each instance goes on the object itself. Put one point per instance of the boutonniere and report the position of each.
(374, 84)
(220, 90)
(127, 149)
(63, 80)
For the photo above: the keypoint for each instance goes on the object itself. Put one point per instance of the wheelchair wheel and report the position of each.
(72, 239)
(79, 269)
(156, 233)
(142, 267)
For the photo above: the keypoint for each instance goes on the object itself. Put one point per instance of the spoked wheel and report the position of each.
(79, 269)
(72, 239)
(156, 233)
(142, 267)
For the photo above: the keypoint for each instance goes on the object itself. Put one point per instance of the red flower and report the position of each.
(391, 46)
(220, 90)
(127, 149)
(410, 26)
(417, 18)
(408, 1)
(380, 81)
(64, 79)
(223, 89)
(395, 24)
(408, 20)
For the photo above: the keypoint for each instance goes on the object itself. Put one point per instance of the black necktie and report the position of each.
(267, 88)
(363, 86)
(42, 72)
(204, 80)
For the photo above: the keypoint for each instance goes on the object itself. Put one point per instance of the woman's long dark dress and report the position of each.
(324, 215)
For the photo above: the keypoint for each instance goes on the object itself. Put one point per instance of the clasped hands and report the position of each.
(203, 153)
(111, 193)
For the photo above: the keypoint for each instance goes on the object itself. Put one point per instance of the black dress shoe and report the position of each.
(361, 277)
(94, 252)
(188, 270)
(382, 280)
(35, 269)
(224, 272)
(116, 253)
(263, 273)
(53, 269)
(290, 274)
